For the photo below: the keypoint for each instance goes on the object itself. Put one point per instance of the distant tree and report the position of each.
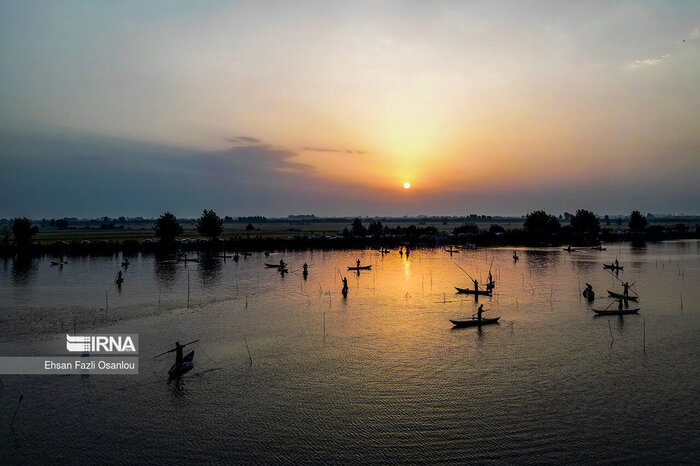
(228, 219)
(357, 228)
(540, 221)
(210, 225)
(375, 228)
(346, 232)
(567, 216)
(637, 221)
(493, 229)
(585, 221)
(249, 227)
(467, 228)
(167, 228)
(61, 224)
(23, 231)
(52, 223)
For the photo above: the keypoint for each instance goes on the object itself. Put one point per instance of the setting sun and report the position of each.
(406, 185)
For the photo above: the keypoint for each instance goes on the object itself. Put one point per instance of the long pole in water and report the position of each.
(16, 409)
(644, 327)
(188, 289)
(246, 347)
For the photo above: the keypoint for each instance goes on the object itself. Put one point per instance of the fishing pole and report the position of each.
(618, 279)
(175, 349)
(465, 271)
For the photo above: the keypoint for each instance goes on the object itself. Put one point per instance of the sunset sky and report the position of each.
(272, 108)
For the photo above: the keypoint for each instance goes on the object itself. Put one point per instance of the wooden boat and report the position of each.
(620, 295)
(613, 266)
(364, 267)
(468, 291)
(187, 364)
(474, 322)
(451, 250)
(273, 266)
(614, 312)
(568, 249)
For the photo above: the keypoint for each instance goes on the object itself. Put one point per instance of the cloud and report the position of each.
(650, 61)
(243, 140)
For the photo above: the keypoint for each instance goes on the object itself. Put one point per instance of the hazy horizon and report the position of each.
(274, 108)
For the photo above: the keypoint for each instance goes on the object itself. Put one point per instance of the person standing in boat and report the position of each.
(490, 278)
(617, 264)
(306, 269)
(178, 354)
(476, 287)
(588, 293)
(401, 252)
(626, 289)
(619, 304)
(479, 312)
(119, 278)
(345, 285)
(282, 264)
(358, 263)
(407, 252)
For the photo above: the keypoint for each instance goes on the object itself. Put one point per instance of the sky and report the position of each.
(276, 108)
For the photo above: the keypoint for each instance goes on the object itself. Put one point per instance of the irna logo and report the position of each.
(101, 343)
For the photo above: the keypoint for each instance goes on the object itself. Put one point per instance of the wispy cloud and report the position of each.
(243, 140)
(652, 61)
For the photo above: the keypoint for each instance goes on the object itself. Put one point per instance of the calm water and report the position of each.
(378, 377)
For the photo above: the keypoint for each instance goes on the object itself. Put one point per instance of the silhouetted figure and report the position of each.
(407, 252)
(345, 286)
(619, 304)
(358, 263)
(479, 312)
(490, 277)
(476, 286)
(617, 263)
(178, 354)
(119, 279)
(306, 269)
(626, 289)
(588, 293)
(401, 252)
(515, 256)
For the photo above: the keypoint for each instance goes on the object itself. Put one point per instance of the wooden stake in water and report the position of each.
(16, 409)
(324, 326)
(681, 301)
(246, 347)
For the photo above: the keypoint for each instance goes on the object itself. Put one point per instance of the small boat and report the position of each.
(614, 312)
(620, 295)
(58, 262)
(569, 249)
(599, 248)
(364, 267)
(613, 266)
(451, 250)
(187, 364)
(474, 322)
(273, 266)
(468, 291)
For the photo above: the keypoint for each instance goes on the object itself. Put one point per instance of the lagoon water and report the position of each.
(380, 376)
